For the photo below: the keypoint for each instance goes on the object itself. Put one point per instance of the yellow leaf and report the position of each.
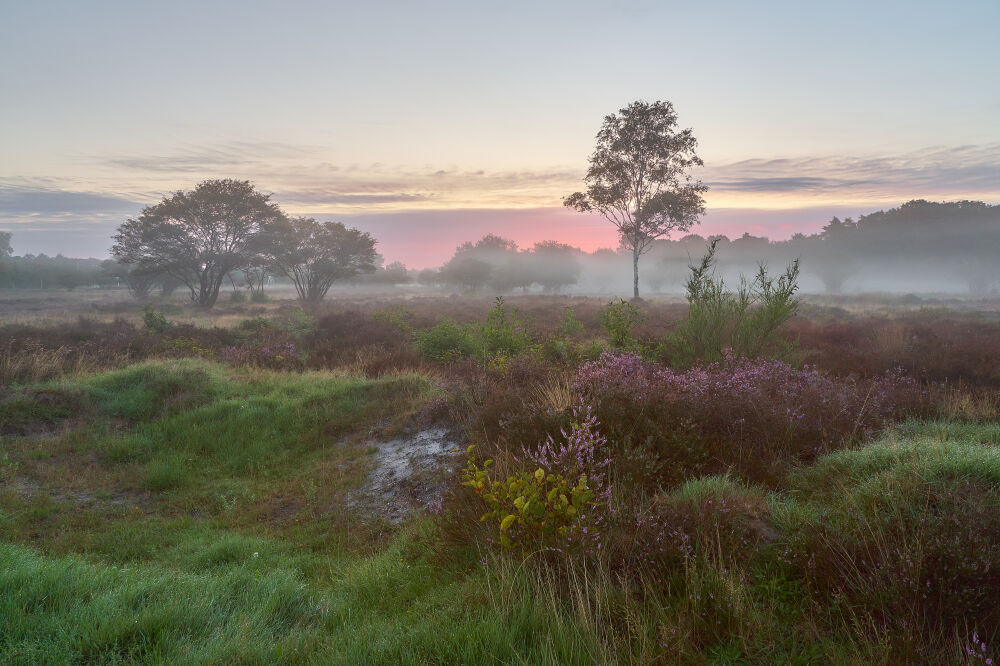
(506, 522)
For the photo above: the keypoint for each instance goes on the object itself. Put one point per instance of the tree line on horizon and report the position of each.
(639, 180)
(919, 242)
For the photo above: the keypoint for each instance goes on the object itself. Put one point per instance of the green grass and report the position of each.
(245, 608)
(188, 512)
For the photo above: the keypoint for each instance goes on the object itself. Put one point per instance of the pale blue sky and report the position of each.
(352, 109)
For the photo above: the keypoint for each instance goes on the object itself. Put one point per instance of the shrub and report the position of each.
(529, 507)
(186, 347)
(279, 356)
(446, 341)
(38, 409)
(258, 296)
(909, 532)
(744, 321)
(365, 344)
(620, 320)
(154, 320)
(237, 296)
(502, 334)
(935, 346)
(752, 416)
(570, 326)
(560, 505)
(500, 337)
(715, 520)
(300, 325)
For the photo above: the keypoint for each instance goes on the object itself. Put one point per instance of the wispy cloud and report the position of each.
(925, 173)
(193, 159)
(321, 197)
(32, 200)
(775, 196)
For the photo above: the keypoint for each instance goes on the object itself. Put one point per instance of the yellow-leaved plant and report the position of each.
(529, 509)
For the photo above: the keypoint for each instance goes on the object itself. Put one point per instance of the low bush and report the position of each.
(750, 416)
(154, 320)
(446, 341)
(716, 520)
(937, 347)
(907, 533)
(719, 319)
(279, 356)
(620, 319)
(35, 409)
(555, 501)
(501, 336)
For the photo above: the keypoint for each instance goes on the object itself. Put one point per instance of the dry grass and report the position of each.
(36, 364)
(964, 405)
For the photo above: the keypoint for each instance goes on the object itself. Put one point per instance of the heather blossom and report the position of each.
(738, 411)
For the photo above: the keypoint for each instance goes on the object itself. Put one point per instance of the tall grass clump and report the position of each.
(902, 541)
(744, 320)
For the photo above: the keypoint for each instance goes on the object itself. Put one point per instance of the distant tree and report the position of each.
(395, 273)
(254, 276)
(140, 282)
(834, 253)
(638, 177)
(314, 255)
(429, 277)
(466, 271)
(553, 265)
(44, 272)
(5, 251)
(390, 275)
(199, 236)
(492, 260)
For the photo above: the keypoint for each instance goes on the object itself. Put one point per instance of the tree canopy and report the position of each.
(639, 178)
(198, 236)
(314, 255)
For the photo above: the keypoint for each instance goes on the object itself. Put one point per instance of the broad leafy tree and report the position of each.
(553, 265)
(199, 236)
(314, 255)
(639, 178)
(491, 261)
(140, 282)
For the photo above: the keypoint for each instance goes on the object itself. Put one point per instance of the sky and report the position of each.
(432, 123)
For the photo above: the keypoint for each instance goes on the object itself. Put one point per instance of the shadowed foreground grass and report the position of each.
(186, 512)
(378, 609)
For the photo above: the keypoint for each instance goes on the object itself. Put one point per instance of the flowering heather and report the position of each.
(274, 356)
(738, 413)
(583, 451)
(557, 499)
(922, 563)
(725, 525)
